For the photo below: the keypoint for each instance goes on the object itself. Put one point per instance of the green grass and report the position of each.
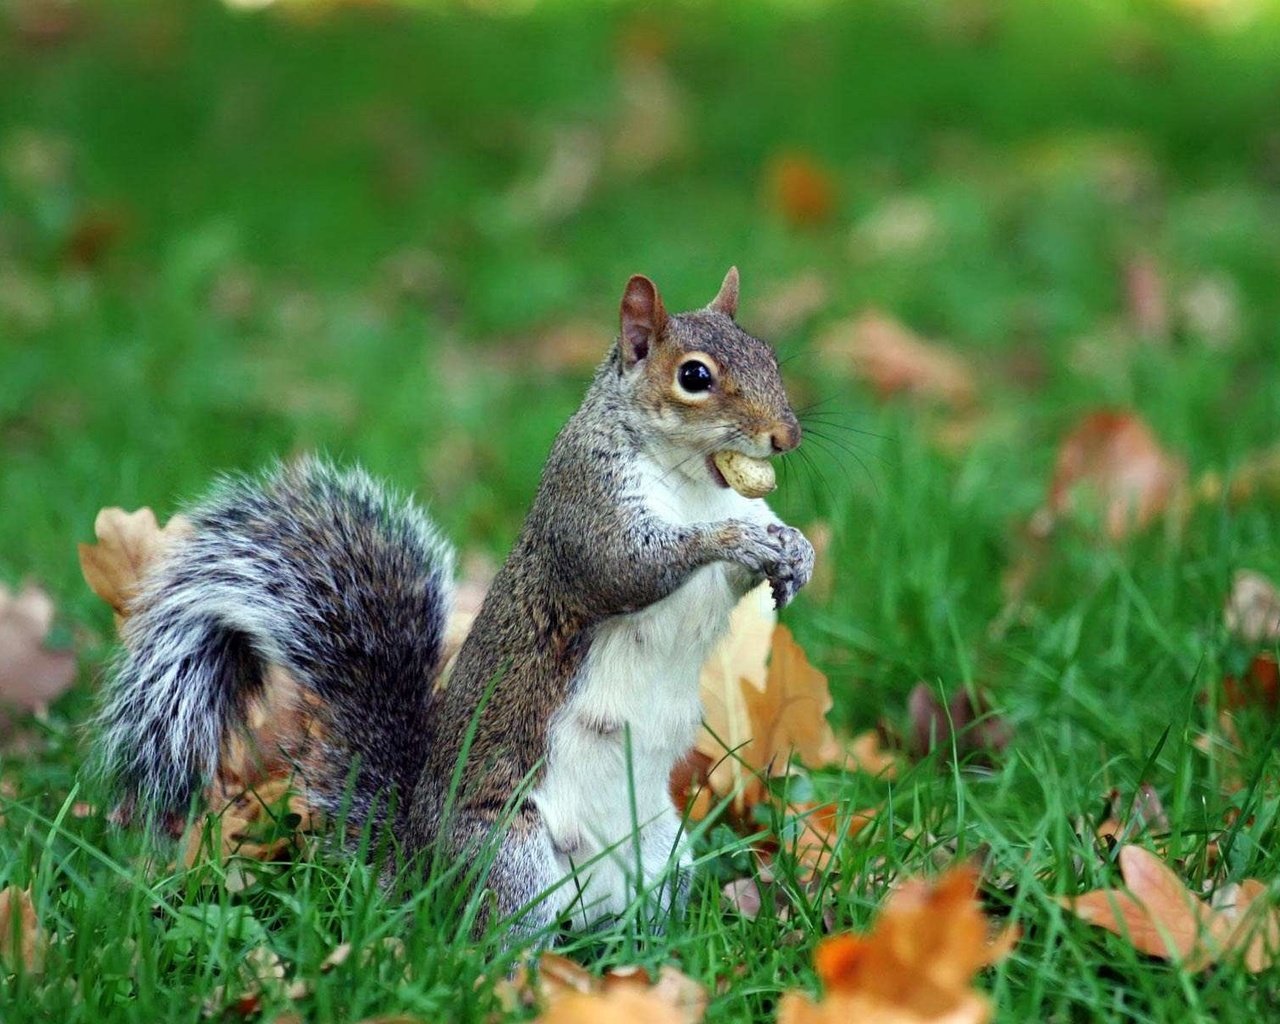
(295, 165)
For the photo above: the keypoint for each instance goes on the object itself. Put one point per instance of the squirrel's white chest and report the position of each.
(634, 713)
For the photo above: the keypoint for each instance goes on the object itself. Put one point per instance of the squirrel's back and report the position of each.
(312, 569)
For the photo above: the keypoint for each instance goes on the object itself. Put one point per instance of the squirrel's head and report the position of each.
(704, 383)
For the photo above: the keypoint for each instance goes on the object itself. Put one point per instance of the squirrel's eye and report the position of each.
(695, 376)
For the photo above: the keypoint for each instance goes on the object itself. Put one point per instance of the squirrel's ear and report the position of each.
(726, 300)
(643, 318)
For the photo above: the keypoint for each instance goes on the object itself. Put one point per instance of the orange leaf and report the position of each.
(916, 964)
(129, 543)
(736, 665)
(801, 189)
(31, 675)
(1113, 463)
(619, 1006)
(790, 714)
(1156, 912)
(894, 360)
(568, 993)
(22, 941)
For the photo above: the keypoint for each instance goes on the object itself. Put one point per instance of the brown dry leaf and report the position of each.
(253, 824)
(621, 1006)
(915, 967)
(1259, 687)
(865, 753)
(1159, 916)
(822, 830)
(966, 721)
(789, 716)
(129, 543)
(30, 675)
(22, 941)
(568, 992)
(894, 360)
(800, 189)
(1253, 608)
(1112, 463)
(736, 665)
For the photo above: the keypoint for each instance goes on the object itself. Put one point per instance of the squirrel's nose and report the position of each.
(785, 436)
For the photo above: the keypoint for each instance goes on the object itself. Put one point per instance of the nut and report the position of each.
(752, 478)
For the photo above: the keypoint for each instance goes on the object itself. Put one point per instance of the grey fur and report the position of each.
(317, 570)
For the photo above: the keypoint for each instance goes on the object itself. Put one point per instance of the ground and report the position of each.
(391, 234)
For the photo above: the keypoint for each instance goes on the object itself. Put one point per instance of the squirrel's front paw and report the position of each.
(780, 553)
(793, 568)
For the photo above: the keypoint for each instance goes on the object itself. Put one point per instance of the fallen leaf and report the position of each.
(1253, 608)
(822, 832)
(789, 716)
(915, 966)
(22, 941)
(1259, 687)
(31, 675)
(129, 543)
(743, 895)
(261, 823)
(737, 663)
(865, 753)
(1112, 465)
(895, 361)
(567, 992)
(800, 189)
(622, 1006)
(1160, 917)
(966, 721)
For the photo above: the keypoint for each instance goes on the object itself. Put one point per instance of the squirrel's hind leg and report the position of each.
(517, 866)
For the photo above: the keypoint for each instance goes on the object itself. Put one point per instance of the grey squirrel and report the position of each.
(576, 690)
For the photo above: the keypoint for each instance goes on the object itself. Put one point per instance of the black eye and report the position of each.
(695, 376)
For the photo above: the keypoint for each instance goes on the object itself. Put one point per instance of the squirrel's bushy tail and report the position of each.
(311, 568)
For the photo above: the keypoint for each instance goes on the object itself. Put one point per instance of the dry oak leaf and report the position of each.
(129, 543)
(1160, 917)
(257, 824)
(737, 663)
(822, 829)
(1112, 464)
(789, 716)
(1258, 687)
(568, 992)
(22, 941)
(1253, 608)
(30, 675)
(621, 1006)
(915, 967)
(894, 360)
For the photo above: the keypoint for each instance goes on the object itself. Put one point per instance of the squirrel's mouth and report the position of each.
(716, 476)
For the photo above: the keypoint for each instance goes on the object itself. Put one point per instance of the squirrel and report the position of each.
(575, 692)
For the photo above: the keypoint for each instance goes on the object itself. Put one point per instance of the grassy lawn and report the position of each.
(226, 237)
